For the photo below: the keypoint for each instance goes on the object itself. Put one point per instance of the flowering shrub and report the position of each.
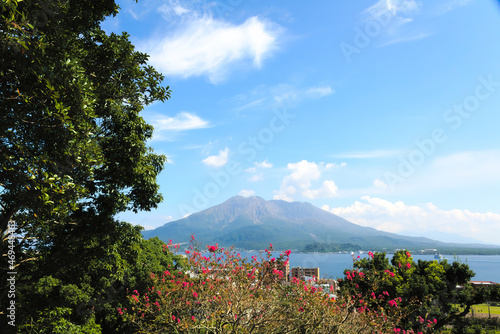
(420, 296)
(224, 292)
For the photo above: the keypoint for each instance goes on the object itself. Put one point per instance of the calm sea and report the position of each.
(486, 267)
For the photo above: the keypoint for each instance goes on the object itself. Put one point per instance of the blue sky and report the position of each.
(382, 112)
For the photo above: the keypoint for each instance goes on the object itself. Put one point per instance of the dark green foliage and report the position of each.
(73, 154)
(91, 287)
(428, 289)
(476, 325)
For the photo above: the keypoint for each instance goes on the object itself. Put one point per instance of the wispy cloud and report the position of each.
(218, 160)
(281, 95)
(398, 216)
(256, 173)
(168, 127)
(393, 15)
(408, 38)
(320, 91)
(392, 8)
(181, 122)
(462, 169)
(446, 7)
(204, 46)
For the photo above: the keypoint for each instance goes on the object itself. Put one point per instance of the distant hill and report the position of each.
(254, 223)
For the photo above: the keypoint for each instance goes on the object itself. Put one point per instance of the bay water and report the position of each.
(332, 265)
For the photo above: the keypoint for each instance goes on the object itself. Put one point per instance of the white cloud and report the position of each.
(247, 193)
(212, 47)
(328, 190)
(168, 127)
(397, 217)
(181, 122)
(320, 91)
(304, 173)
(263, 164)
(288, 95)
(217, 160)
(335, 165)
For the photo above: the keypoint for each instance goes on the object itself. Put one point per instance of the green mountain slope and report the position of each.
(254, 223)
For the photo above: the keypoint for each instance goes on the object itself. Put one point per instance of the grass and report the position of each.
(483, 308)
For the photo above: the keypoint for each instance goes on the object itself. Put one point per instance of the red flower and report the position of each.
(212, 249)
(393, 303)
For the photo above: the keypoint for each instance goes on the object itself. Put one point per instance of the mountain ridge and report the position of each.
(254, 223)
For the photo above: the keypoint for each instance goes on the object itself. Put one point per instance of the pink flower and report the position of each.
(370, 254)
(408, 265)
(408, 254)
(393, 303)
(193, 318)
(195, 295)
(212, 249)
(288, 252)
(270, 245)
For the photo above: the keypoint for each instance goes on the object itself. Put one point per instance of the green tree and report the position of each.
(427, 291)
(73, 154)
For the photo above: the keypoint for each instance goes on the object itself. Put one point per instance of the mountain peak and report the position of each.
(254, 223)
